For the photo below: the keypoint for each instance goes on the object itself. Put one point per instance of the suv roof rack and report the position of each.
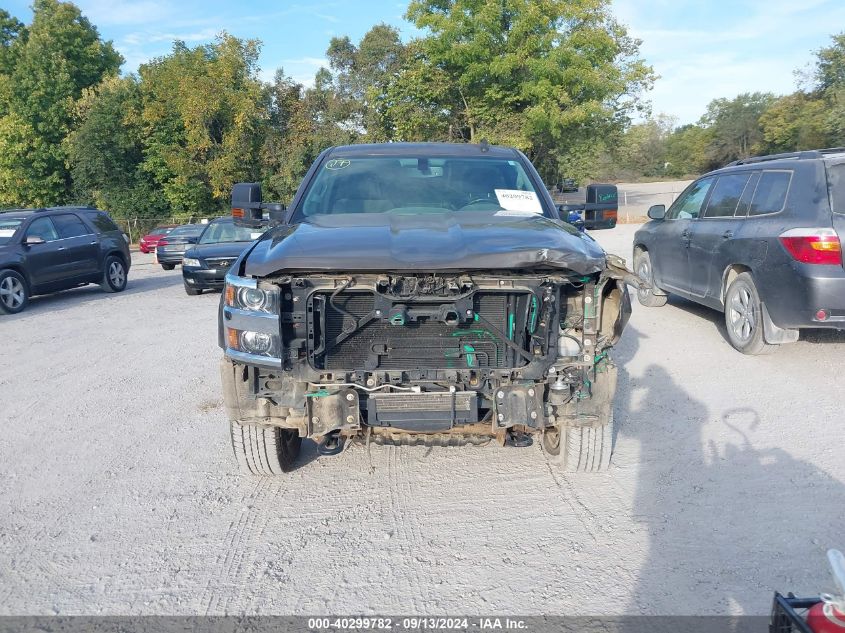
(803, 155)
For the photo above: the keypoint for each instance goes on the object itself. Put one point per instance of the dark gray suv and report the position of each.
(46, 250)
(757, 240)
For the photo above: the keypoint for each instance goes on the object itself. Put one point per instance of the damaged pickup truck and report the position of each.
(419, 293)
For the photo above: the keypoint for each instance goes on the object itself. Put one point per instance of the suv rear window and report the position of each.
(101, 221)
(836, 187)
(770, 195)
(726, 194)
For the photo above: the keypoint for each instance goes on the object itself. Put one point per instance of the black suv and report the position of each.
(758, 240)
(46, 250)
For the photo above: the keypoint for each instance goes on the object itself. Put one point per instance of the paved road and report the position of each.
(119, 494)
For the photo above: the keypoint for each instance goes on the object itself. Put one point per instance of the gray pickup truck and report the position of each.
(422, 294)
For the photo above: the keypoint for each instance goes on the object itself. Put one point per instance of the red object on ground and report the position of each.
(825, 618)
(149, 242)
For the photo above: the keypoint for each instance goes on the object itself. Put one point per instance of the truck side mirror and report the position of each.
(246, 203)
(249, 210)
(602, 207)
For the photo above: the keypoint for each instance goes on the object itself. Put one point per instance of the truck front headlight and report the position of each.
(252, 323)
(245, 294)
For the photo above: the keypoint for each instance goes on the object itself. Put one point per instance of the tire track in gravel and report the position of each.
(404, 520)
(241, 543)
(569, 495)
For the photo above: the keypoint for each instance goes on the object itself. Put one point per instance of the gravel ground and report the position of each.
(119, 492)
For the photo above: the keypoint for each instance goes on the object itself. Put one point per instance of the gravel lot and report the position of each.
(119, 493)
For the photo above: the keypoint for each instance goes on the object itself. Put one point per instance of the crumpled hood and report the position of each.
(427, 242)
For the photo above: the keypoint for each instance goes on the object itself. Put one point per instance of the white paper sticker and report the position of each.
(516, 200)
(255, 236)
(7, 232)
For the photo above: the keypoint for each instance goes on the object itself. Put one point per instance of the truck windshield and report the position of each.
(417, 185)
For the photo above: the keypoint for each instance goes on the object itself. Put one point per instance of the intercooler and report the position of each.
(426, 343)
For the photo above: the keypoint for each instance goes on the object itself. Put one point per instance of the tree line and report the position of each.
(751, 124)
(561, 81)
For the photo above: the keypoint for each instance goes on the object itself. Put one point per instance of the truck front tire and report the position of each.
(581, 449)
(260, 449)
(264, 450)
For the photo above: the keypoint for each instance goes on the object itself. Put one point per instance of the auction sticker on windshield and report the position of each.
(516, 200)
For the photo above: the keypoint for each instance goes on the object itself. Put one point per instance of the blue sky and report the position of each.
(702, 49)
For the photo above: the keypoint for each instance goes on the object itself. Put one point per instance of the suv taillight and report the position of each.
(813, 246)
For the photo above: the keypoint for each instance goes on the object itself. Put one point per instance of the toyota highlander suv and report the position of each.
(419, 294)
(758, 240)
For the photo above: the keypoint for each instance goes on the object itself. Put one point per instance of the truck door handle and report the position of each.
(61, 248)
(728, 234)
(94, 242)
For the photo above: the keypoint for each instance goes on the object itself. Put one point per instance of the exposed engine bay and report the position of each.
(438, 358)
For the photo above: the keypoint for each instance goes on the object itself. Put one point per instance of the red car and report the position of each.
(149, 242)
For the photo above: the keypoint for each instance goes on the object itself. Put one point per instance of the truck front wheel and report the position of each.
(580, 448)
(264, 450)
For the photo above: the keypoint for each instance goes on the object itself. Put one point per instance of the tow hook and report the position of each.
(519, 439)
(331, 444)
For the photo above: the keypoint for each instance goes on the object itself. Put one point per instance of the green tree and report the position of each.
(290, 145)
(203, 113)
(795, 122)
(45, 69)
(362, 75)
(735, 126)
(687, 151)
(830, 85)
(542, 75)
(830, 64)
(642, 149)
(11, 29)
(106, 152)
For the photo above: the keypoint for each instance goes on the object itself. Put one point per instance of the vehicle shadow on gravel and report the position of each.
(717, 319)
(67, 299)
(722, 512)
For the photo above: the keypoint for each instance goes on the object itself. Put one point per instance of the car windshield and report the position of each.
(186, 231)
(226, 231)
(417, 185)
(8, 227)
